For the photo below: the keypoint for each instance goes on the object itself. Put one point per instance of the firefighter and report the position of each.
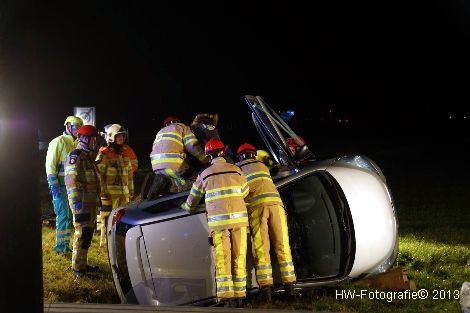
(224, 187)
(293, 145)
(265, 157)
(268, 223)
(83, 190)
(204, 126)
(169, 153)
(56, 157)
(116, 163)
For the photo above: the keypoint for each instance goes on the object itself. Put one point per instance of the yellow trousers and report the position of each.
(269, 224)
(84, 226)
(229, 255)
(116, 201)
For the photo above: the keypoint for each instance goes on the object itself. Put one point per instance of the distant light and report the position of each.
(464, 117)
(339, 121)
(450, 117)
(290, 113)
(347, 121)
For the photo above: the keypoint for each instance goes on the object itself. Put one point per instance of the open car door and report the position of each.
(274, 132)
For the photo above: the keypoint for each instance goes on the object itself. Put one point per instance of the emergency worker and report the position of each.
(293, 145)
(224, 187)
(265, 157)
(204, 126)
(169, 152)
(115, 163)
(83, 190)
(268, 223)
(56, 157)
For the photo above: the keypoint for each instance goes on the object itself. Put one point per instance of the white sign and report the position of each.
(87, 114)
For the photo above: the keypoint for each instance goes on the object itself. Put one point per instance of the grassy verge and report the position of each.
(59, 285)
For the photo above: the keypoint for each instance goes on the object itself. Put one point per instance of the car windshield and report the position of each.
(314, 227)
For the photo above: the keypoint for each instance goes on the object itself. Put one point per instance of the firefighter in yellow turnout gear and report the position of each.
(169, 152)
(83, 190)
(116, 173)
(224, 187)
(268, 222)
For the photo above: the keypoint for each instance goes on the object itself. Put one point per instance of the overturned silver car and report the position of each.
(341, 219)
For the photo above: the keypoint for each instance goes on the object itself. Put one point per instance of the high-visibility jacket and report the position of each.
(115, 171)
(262, 188)
(83, 185)
(56, 157)
(224, 186)
(171, 145)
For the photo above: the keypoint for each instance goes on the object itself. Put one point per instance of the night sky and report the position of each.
(380, 65)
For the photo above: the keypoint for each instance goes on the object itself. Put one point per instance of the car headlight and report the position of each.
(362, 162)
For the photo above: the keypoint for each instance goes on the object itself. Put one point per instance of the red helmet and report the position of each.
(87, 130)
(246, 148)
(291, 142)
(169, 119)
(214, 146)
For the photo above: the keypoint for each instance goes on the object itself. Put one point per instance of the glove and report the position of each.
(106, 208)
(55, 191)
(106, 204)
(77, 205)
(185, 207)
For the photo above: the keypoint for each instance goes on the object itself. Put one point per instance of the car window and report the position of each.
(314, 231)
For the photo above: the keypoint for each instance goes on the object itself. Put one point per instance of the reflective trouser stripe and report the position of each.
(239, 246)
(222, 262)
(116, 201)
(230, 262)
(265, 220)
(81, 242)
(63, 221)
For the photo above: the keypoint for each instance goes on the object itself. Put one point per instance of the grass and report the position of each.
(59, 285)
(434, 215)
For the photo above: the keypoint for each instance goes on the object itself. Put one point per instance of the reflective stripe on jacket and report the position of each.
(82, 180)
(170, 145)
(56, 157)
(224, 187)
(262, 188)
(115, 172)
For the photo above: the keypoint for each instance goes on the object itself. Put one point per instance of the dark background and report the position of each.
(397, 71)
(394, 70)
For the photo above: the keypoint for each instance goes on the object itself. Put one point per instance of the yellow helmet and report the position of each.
(73, 120)
(265, 157)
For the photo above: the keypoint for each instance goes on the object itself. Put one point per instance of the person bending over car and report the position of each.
(224, 187)
(169, 153)
(268, 222)
(83, 189)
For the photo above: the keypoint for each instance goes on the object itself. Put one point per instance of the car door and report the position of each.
(273, 130)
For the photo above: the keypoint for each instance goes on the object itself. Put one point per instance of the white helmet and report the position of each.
(114, 130)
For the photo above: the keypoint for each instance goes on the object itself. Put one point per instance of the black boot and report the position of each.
(289, 292)
(265, 294)
(230, 303)
(239, 303)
